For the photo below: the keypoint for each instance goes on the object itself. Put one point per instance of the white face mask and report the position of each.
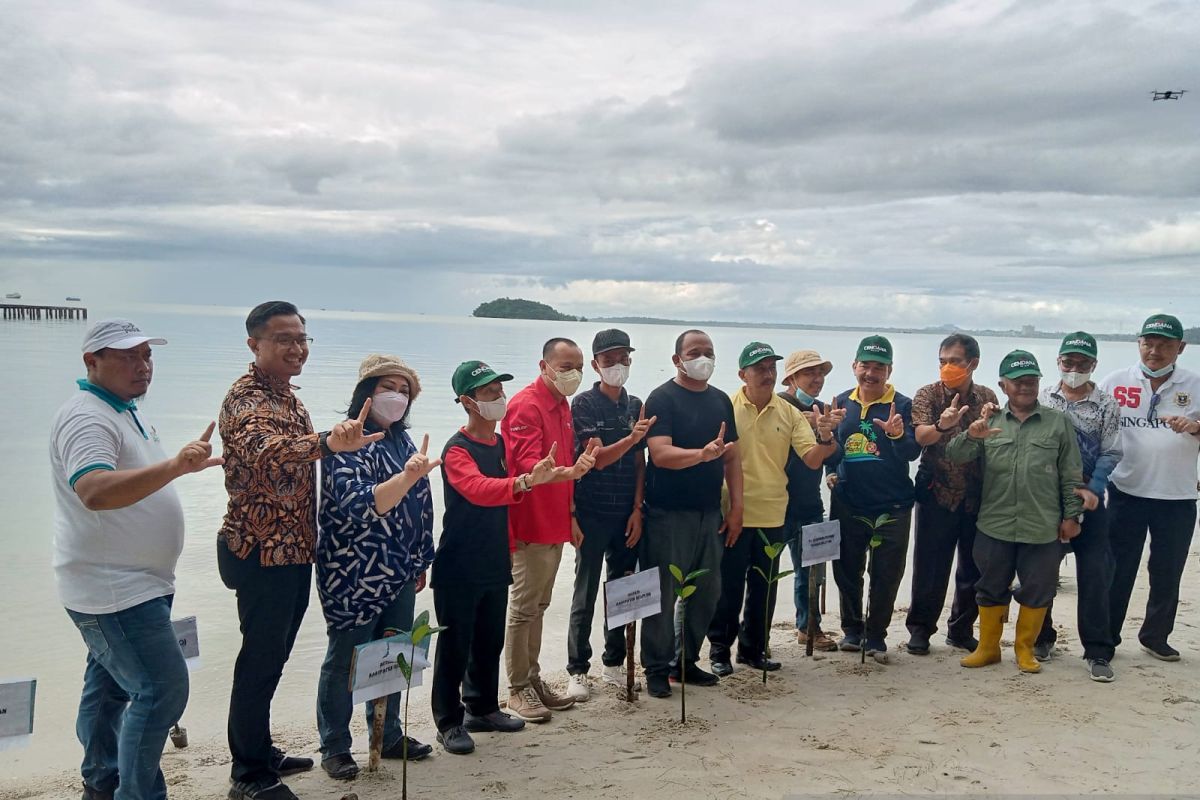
(388, 407)
(699, 369)
(616, 375)
(492, 410)
(1075, 379)
(568, 382)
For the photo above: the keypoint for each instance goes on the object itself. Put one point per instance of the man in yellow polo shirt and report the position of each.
(768, 429)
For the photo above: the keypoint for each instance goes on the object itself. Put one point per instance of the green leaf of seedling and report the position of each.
(405, 667)
(687, 592)
(759, 570)
(883, 519)
(876, 540)
(870, 523)
(696, 573)
(784, 574)
(437, 629)
(764, 538)
(774, 550)
(679, 591)
(419, 633)
(422, 619)
(677, 572)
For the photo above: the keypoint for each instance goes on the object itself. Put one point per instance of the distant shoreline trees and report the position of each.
(518, 308)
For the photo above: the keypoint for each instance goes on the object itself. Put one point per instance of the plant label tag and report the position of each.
(820, 542)
(631, 598)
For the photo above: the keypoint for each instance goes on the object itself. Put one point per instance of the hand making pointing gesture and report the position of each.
(826, 423)
(583, 464)
(419, 464)
(197, 455)
(642, 426)
(894, 426)
(952, 417)
(714, 449)
(981, 428)
(348, 435)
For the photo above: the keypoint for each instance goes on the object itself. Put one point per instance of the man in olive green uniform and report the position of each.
(1031, 469)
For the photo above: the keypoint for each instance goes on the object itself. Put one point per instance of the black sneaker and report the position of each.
(696, 677)
(1161, 650)
(1100, 671)
(496, 721)
(658, 686)
(456, 740)
(759, 664)
(918, 644)
(90, 793)
(341, 767)
(850, 643)
(289, 765)
(269, 789)
(722, 669)
(968, 642)
(416, 750)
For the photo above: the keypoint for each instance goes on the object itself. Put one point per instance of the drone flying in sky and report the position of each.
(1170, 94)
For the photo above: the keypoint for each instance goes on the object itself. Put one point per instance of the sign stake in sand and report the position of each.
(16, 712)
(626, 600)
(819, 543)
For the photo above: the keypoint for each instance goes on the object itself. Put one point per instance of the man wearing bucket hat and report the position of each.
(947, 507)
(876, 443)
(1154, 487)
(770, 432)
(118, 534)
(472, 568)
(804, 373)
(1031, 471)
(1097, 422)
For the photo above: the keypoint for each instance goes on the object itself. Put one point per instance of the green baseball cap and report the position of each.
(875, 348)
(756, 352)
(1079, 342)
(470, 375)
(1018, 364)
(1162, 325)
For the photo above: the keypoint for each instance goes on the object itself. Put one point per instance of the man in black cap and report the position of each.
(608, 503)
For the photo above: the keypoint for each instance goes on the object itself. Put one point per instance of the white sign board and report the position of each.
(633, 597)
(820, 542)
(189, 640)
(16, 712)
(376, 673)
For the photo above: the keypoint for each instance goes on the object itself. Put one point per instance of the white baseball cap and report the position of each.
(119, 334)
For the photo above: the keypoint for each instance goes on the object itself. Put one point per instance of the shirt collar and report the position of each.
(622, 400)
(1037, 411)
(740, 397)
(544, 397)
(118, 405)
(271, 382)
(889, 396)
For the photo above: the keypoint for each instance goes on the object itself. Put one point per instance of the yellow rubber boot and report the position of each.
(1029, 625)
(991, 625)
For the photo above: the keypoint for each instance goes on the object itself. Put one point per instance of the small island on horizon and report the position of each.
(518, 308)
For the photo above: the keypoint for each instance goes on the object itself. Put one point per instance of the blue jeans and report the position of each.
(800, 583)
(135, 687)
(334, 706)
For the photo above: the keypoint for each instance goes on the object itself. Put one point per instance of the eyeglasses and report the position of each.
(287, 341)
(1151, 410)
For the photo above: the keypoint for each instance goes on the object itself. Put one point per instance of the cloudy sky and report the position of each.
(978, 163)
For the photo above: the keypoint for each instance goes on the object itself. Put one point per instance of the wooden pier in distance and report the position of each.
(21, 311)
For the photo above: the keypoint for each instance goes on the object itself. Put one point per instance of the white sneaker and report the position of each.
(578, 688)
(616, 677)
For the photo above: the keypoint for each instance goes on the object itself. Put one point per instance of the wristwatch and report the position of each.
(1079, 519)
(937, 426)
(323, 443)
(524, 482)
(826, 442)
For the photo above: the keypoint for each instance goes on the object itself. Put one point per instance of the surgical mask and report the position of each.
(1075, 379)
(954, 375)
(804, 397)
(616, 375)
(1157, 373)
(699, 369)
(389, 407)
(567, 382)
(492, 410)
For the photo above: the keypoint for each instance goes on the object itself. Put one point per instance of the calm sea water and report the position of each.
(39, 362)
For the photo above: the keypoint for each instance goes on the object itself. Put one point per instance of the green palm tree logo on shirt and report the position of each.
(867, 429)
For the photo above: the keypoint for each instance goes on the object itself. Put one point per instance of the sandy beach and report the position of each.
(821, 725)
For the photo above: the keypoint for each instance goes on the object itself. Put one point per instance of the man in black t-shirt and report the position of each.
(693, 451)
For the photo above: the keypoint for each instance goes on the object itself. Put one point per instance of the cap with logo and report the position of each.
(756, 352)
(1079, 342)
(875, 348)
(1018, 364)
(377, 365)
(470, 375)
(1162, 325)
(610, 339)
(117, 334)
(803, 359)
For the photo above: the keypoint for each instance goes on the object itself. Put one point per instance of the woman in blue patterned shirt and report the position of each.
(374, 546)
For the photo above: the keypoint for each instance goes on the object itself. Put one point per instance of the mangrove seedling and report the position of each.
(683, 591)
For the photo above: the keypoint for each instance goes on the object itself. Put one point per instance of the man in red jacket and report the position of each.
(539, 418)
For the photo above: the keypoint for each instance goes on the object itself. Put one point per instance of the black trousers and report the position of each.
(886, 573)
(466, 664)
(745, 594)
(940, 533)
(271, 603)
(1093, 574)
(1034, 565)
(603, 546)
(1170, 523)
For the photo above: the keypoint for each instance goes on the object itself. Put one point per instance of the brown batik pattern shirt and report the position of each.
(270, 452)
(948, 484)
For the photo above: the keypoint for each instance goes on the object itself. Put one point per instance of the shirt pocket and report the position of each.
(1041, 460)
(1000, 452)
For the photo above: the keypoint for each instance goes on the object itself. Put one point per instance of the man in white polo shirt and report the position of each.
(1154, 485)
(118, 535)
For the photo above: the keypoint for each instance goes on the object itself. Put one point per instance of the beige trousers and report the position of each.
(534, 567)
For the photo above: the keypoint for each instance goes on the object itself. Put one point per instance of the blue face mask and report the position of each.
(805, 397)
(1157, 373)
